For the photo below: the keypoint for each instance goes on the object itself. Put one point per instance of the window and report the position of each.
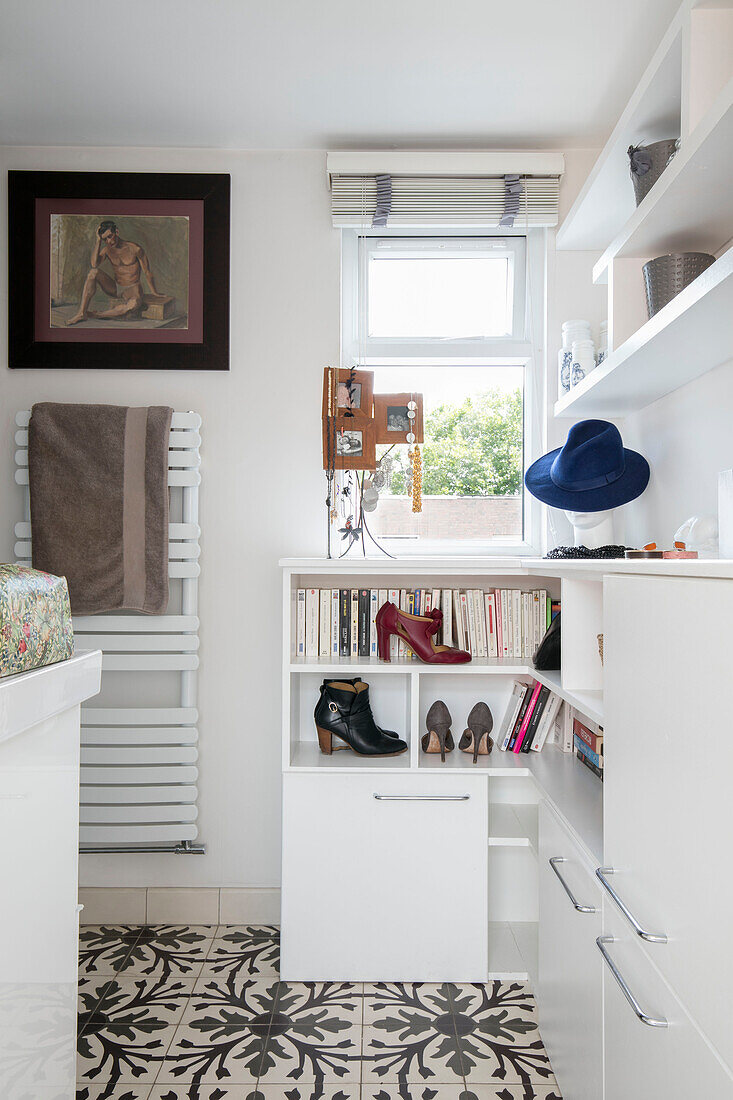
(446, 317)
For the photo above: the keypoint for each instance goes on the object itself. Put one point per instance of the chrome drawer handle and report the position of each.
(651, 937)
(422, 797)
(650, 1021)
(553, 861)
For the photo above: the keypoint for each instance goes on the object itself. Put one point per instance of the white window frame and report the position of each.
(526, 350)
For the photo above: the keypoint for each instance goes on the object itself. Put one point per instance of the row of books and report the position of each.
(588, 746)
(529, 717)
(533, 717)
(340, 622)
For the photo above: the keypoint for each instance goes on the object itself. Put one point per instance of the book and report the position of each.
(465, 626)
(324, 622)
(499, 624)
(401, 647)
(394, 597)
(467, 602)
(363, 629)
(418, 602)
(586, 734)
(300, 623)
(590, 765)
(458, 636)
(354, 647)
(312, 598)
(525, 623)
(594, 757)
(547, 721)
(517, 621)
(446, 606)
(567, 728)
(427, 601)
(527, 717)
(344, 622)
(490, 616)
(535, 719)
(374, 606)
(506, 626)
(510, 714)
(480, 616)
(529, 689)
(334, 622)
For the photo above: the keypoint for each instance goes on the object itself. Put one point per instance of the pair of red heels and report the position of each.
(418, 633)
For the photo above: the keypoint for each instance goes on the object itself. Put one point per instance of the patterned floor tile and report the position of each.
(409, 1034)
(104, 948)
(218, 1002)
(255, 1092)
(382, 999)
(127, 1032)
(229, 1056)
(314, 1034)
(414, 1091)
(245, 951)
(528, 1091)
(497, 1031)
(114, 1090)
(169, 951)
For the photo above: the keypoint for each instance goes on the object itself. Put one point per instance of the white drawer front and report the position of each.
(384, 877)
(570, 980)
(643, 1062)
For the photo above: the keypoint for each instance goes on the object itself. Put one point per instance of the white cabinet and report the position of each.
(669, 761)
(569, 987)
(39, 826)
(644, 1061)
(384, 877)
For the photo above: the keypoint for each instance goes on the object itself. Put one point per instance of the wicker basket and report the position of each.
(647, 162)
(666, 276)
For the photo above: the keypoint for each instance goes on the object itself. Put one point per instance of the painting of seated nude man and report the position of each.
(119, 272)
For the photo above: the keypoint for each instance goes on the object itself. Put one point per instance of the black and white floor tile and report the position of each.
(175, 1012)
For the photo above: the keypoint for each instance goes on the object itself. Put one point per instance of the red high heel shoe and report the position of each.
(417, 632)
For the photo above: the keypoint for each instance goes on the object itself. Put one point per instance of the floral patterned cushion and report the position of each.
(35, 619)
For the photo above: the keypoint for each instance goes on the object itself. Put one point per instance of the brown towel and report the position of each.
(99, 503)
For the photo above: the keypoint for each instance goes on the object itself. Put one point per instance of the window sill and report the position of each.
(444, 548)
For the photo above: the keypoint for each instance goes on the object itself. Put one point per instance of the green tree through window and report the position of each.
(471, 449)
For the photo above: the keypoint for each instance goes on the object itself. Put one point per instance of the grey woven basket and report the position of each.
(666, 276)
(647, 162)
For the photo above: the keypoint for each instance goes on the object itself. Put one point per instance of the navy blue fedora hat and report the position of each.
(592, 472)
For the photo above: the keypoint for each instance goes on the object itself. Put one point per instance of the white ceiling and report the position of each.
(321, 73)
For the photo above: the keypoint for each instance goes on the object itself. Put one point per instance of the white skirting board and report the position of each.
(179, 905)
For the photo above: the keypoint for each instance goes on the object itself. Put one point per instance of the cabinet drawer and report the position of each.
(643, 1061)
(384, 877)
(570, 979)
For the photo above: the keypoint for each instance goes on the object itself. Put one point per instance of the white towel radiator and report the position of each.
(139, 769)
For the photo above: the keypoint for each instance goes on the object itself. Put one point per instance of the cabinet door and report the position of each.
(569, 986)
(668, 766)
(643, 1062)
(384, 877)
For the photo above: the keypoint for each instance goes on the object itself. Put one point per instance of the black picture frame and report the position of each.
(25, 352)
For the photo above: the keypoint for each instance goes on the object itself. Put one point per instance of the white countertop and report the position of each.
(31, 697)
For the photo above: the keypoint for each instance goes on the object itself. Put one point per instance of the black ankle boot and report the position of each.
(356, 680)
(343, 711)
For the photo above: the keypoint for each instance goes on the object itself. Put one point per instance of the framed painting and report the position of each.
(392, 418)
(352, 392)
(349, 444)
(118, 270)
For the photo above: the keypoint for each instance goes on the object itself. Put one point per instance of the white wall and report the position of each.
(262, 490)
(687, 438)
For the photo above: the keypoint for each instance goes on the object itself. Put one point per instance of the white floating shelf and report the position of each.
(479, 666)
(589, 703)
(606, 200)
(690, 207)
(691, 335)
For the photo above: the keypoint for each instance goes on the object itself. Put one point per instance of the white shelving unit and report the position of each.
(687, 90)
(401, 692)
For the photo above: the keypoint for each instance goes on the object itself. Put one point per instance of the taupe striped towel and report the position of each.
(99, 503)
